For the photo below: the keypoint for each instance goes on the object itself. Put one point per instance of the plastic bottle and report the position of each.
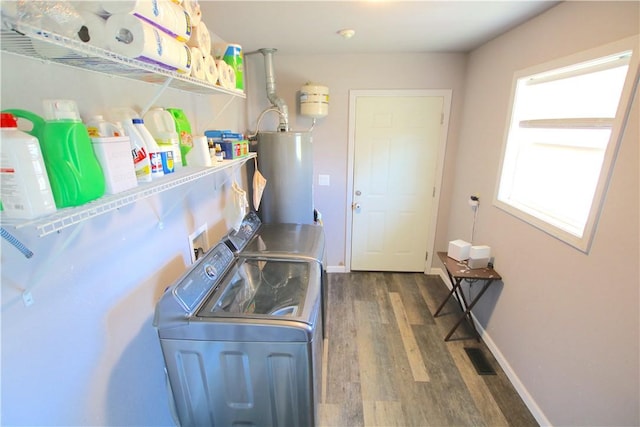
(183, 127)
(25, 191)
(155, 154)
(98, 127)
(74, 172)
(163, 129)
(139, 152)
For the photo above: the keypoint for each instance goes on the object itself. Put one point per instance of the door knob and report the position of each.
(356, 206)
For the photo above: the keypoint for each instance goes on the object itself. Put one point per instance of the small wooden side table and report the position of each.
(457, 272)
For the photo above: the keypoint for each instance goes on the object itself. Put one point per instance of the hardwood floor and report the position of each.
(386, 362)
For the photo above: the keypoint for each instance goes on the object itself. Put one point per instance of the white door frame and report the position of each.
(353, 95)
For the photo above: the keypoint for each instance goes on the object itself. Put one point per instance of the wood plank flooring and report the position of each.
(386, 362)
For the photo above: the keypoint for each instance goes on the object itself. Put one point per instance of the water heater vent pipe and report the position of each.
(276, 101)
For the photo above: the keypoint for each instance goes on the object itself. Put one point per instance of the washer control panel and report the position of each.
(203, 276)
(248, 228)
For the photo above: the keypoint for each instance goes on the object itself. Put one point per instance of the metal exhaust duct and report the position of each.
(276, 101)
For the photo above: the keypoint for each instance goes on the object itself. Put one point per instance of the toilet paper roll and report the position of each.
(165, 15)
(199, 155)
(130, 36)
(193, 8)
(224, 74)
(93, 30)
(197, 64)
(210, 69)
(201, 38)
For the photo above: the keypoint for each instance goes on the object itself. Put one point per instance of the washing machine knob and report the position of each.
(210, 271)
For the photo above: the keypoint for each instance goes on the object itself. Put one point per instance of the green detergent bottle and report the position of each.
(183, 127)
(74, 171)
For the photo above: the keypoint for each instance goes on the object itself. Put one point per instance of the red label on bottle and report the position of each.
(138, 155)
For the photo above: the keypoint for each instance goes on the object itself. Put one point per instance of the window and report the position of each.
(566, 122)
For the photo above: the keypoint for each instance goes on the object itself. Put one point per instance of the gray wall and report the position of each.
(85, 352)
(566, 322)
(342, 73)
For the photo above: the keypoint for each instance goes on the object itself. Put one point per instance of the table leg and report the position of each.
(467, 312)
(455, 285)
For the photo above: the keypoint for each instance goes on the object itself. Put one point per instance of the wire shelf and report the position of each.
(25, 40)
(67, 217)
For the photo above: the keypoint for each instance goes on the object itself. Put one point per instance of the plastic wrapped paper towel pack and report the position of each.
(92, 31)
(130, 36)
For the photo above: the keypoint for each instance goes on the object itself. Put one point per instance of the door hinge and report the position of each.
(434, 192)
(441, 118)
(426, 256)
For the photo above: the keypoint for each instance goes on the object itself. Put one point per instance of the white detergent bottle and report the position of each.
(25, 190)
(162, 126)
(139, 152)
(98, 127)
(155, 154)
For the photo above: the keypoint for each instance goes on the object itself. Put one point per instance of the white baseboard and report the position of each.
(336, 269)
(502, 361)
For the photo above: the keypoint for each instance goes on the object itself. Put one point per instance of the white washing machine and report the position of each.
(242, 341)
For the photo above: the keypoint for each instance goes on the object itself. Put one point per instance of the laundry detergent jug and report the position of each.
(183, 127)
(74, 171)
(25, 190)
(162, 126)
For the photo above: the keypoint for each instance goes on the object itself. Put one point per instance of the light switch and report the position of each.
(323, 180)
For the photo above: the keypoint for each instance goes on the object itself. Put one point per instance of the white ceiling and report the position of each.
(310, 27)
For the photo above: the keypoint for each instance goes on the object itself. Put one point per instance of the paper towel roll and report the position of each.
(193, 8)
(210, 69)
(129, 36)
(162, 14)
(197, 64)
(93, 30)
(201, 38)
(199, 155)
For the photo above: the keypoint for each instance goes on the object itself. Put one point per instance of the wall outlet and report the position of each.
(198, 243)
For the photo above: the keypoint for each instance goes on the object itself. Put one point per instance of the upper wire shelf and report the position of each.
(19, 38)
(67, 217)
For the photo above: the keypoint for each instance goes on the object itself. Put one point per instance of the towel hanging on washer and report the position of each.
(259, 183)
(237, 209)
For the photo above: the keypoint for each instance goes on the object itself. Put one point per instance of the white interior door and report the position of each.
(395, 149)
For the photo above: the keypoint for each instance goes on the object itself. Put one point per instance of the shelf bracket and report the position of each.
(210, 125)
(153, 100)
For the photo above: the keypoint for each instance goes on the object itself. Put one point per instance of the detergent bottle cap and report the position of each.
(8, 120)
